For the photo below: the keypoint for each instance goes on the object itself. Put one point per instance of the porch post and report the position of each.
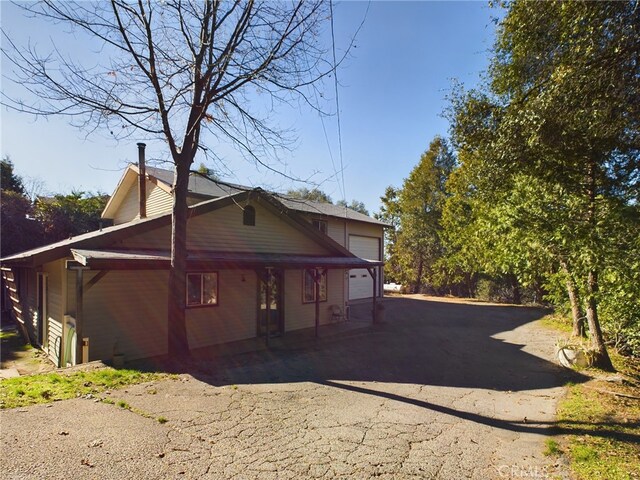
(316, 281)
(79, 313)
(372, 272)
(268, 309)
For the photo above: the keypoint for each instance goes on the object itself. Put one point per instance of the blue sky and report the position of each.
(392, 95)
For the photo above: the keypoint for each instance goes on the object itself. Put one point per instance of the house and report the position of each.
(257, 263)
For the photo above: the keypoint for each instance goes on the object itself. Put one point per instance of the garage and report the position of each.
(360, 282)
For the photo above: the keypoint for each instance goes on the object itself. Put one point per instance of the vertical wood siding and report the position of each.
(127, 311)
(234, 318)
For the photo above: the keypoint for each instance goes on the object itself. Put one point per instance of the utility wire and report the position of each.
(335, 81)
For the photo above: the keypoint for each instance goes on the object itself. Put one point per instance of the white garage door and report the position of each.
(360, 282)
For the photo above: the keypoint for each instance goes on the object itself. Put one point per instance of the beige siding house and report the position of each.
(259, 265)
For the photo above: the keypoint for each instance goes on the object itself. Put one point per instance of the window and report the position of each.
(320, 225)
(309, 286)
(249, 216)
(202, 289)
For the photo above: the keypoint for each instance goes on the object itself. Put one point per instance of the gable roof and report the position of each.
(204, 187)
(107, 236)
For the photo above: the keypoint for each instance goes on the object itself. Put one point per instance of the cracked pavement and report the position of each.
(443, 390)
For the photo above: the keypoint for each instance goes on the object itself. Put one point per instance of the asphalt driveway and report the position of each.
(441, 390)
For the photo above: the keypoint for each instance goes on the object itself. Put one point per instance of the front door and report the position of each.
(270, 302)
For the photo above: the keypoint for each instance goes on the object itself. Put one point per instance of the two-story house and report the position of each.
(258, 262)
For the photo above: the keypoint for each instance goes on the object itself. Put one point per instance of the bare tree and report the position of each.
(176, 70)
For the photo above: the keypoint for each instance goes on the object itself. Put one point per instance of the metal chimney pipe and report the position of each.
(142, 181)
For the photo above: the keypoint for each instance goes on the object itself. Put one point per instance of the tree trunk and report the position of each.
(598, 347)
(418, 284)
(601, 359)
(574, 299)
(178, 345)
(515, 289)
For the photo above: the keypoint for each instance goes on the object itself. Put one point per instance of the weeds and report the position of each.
(48, 387)
(552, 448)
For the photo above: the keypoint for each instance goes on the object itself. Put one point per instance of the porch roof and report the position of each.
(160, 259)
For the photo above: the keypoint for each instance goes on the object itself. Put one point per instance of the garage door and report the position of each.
(360, 282)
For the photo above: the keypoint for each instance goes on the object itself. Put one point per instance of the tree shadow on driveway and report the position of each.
(425, 343)
(422, 342)
(609, 430)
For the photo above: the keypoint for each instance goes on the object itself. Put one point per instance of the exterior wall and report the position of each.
(370, 230)
(222, 230)
(55, 308)
(365, 229)
(71, 292)
(128, 209)
(25, 281)
(158, 201)
(32, 301)
(302, 315)
(335, 230)
(235, 316)
(126, 310)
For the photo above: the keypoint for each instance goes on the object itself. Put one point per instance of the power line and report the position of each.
(335, 82)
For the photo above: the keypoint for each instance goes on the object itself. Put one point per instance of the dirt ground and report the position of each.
(442, 389)
(18, 358)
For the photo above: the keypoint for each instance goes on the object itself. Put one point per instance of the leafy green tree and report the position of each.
(417, 248)
(64, 216)
(18, 230)
(314, 195)
(550, 150)
(207, 172)
(390, 213)
(9, 181)
(355, 205)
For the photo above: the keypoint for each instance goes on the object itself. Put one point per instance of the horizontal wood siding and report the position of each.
(128, 209)
(223, 230)
(158, 200)
(302, 315)
(234, 318)
(335, 230)
(55, 308)
(126, 310)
